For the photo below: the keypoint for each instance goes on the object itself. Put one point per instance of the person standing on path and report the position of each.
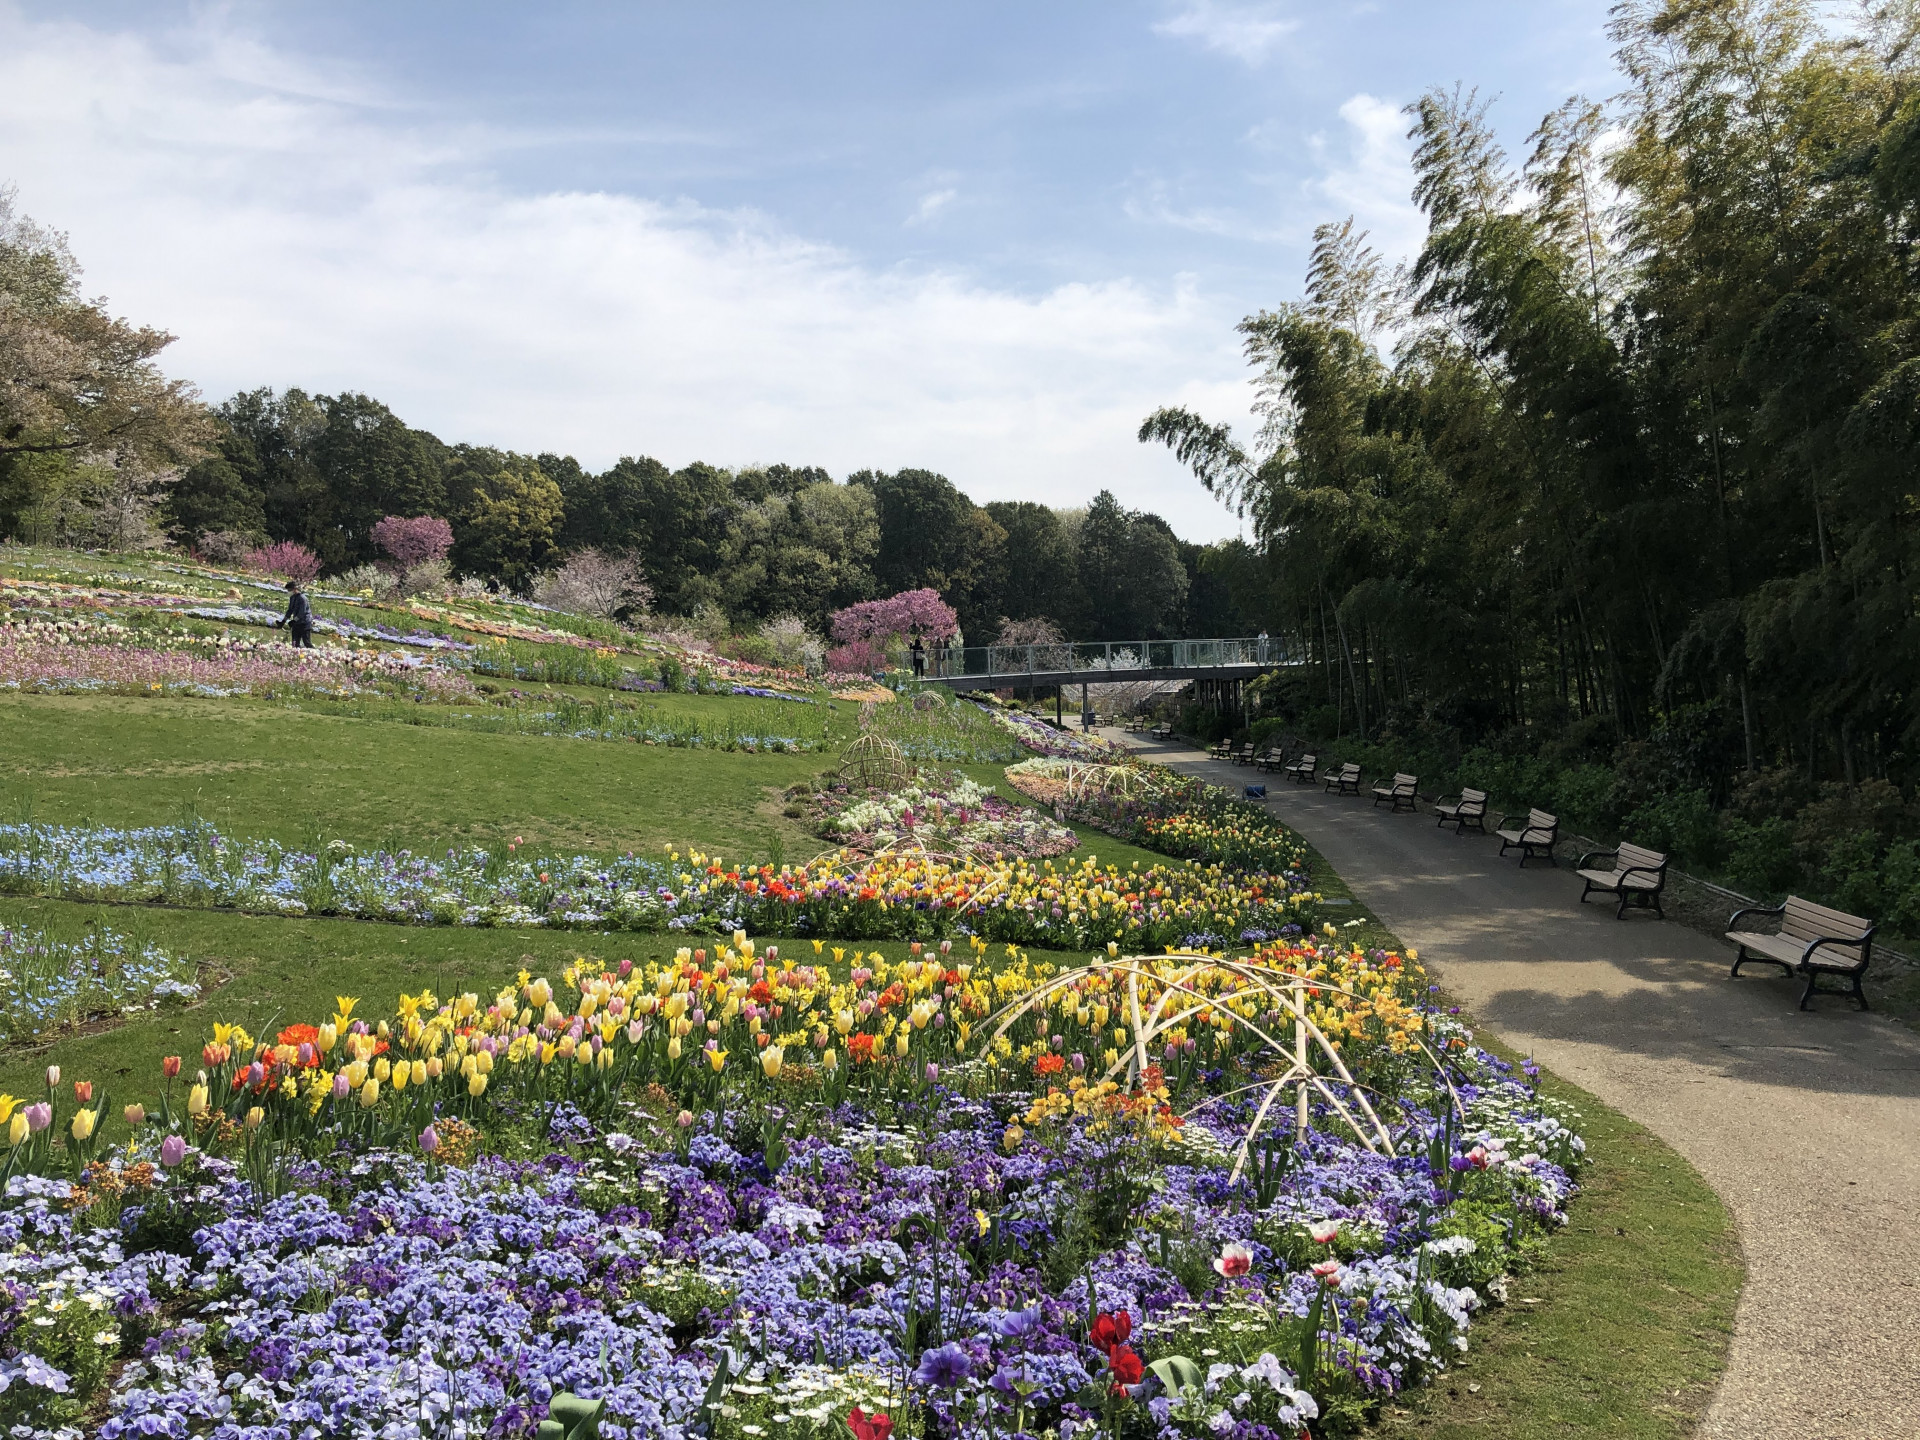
(919, 659)
(299, 616)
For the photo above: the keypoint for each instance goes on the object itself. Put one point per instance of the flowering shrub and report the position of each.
(286, 558)
(911, 612)
(48, 983)
(407, 542)
(738, 1195)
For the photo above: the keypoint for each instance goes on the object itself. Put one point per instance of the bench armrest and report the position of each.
(1593, 855)
(1647, 870)
(1864, 944)
(1734, 919)
(1506, 820)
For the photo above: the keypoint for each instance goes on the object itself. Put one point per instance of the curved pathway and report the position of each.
(1807, 1124)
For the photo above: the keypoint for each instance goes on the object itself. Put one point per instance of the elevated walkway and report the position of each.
(1101, 662)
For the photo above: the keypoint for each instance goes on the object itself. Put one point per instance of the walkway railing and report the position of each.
(1114, 657)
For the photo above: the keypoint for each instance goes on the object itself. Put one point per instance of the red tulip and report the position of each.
(83, 1091)
(1124, 1366)
(876, 1426)
(1110, 1331)
(170, 1067)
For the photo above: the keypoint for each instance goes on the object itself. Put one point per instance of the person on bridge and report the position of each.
(919, 652)
(1261, 652)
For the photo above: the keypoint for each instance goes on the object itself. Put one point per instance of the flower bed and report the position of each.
(248, 668)
(1161, 809)
(48, 984)
(945, 814)
(1041, 738)
(435, 1220)
(843, 894)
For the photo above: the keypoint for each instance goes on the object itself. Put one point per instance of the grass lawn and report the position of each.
(261, 770)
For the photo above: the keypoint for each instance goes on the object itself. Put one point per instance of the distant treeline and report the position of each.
(753, 543)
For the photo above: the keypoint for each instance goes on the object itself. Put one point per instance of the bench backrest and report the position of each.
(1638, 857)
(1403, 781)
(1308, 761)
(1541, 820)
(1350, 771)
(1471, 799)
(1805, 920)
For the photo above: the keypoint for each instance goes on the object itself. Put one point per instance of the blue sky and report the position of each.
(981, 238)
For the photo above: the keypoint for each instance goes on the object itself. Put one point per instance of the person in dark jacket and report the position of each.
(919, 653)
(299, 616)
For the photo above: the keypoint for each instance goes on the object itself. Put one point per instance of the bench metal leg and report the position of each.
(1743, 958)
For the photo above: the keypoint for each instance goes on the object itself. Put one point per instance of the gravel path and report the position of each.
(1808, 1125)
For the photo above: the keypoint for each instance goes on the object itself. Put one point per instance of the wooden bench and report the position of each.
(1469, 807)
(1302, 769)
(1400, 793)
(1344, 781)
(1812, 941)
(1163, 731)
(1537, 834)
(1271, 758)
(1220, 750)
(1638, 876)
(1244, 755)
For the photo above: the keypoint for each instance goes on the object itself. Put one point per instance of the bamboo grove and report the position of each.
(1630, 446)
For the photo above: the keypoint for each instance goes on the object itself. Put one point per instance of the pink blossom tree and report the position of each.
(911, 612)
(286, 558)
(410, 542)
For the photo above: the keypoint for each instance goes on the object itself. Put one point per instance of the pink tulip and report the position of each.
(172, 1151)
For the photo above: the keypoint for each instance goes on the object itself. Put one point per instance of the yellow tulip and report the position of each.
(606, 1058)
(673, 1048)
(83, 1124)
(197, 1101)
(717, 1059)
(255, 1118)
(483, 1062)
(830, 1061)
(382, 1069)
(477, 1086)
(17, 1131)
(771, 1059)
(539, 994)
(419, 1072)
(900, 1046)
(135, 1115)
(370, 1094)
(402, 1073)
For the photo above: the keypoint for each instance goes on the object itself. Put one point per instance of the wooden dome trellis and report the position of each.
(874, 762)
(1290, 996)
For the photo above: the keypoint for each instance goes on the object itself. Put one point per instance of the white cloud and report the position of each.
(297, 226)
(1369, 175)
(1246, 32)
(931, 204)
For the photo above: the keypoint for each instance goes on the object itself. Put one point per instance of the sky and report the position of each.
(979, 238)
